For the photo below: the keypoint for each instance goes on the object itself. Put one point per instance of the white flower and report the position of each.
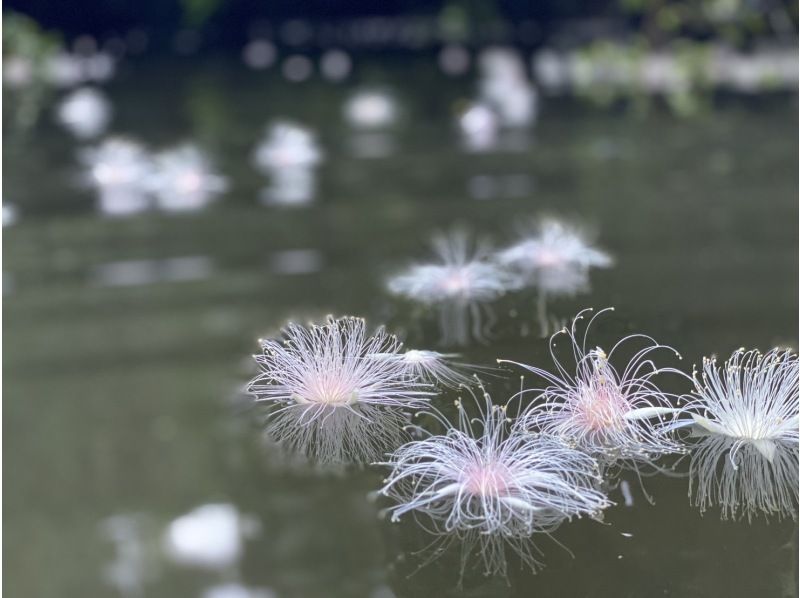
(287, 145)
(210, 536)
(460, 283)
(618, 416)
(185, 180)
(332, 400)
(556, 259)
(119, 169)
(371, 110)
(490, 485)
(85, 112)
(744, 417)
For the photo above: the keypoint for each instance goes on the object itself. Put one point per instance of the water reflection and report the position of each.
(146, 272)
(296, 261)
(289, 155)
(135, 563)
(371, 114)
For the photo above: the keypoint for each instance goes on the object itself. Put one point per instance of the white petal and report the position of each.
(766, 448)
(710, 426)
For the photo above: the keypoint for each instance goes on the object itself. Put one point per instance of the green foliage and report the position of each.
(197, 12)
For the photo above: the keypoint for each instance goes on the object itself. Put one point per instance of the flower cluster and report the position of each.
(467, 277)
(494, 483)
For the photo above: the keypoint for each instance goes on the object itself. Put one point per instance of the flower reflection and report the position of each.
(135, 564)
(371, 113)
(235, 590)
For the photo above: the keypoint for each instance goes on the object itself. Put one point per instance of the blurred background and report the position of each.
(183, 177)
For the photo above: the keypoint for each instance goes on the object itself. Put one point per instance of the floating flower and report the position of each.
(184, 179)
(618, 416)
(288, 154)
(459, 285)
(505, 87)
(85, 112)
(210, 537)
(744, 418)
(478, 125)
(332, 401)
(287, 145)
(556, 259)
(371, 110)
(119, 169)
(490, 485)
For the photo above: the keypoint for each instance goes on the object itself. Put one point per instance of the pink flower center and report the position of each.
(328, 390)
(456, 282)
(601, 405)
(489, 478)
(548, 258)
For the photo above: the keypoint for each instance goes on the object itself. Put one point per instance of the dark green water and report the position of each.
(123, 399)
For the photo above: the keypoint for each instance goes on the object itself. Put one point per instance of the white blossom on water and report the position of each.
(85, 112)
(556, 258)
(287, 145)
(479, 127)
(120, 170)
(332, 401)
(371, 109)
(490, 485)
(744, 424)
(460, 285)
(619, 416)
(288, 154)
(210, 536)
(504, 86)
(184, 179)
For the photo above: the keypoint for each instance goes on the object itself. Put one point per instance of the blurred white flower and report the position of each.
(184, 179)
(85, 112)
(209, 537)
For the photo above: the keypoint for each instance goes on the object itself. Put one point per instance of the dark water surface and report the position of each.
(122, 399)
